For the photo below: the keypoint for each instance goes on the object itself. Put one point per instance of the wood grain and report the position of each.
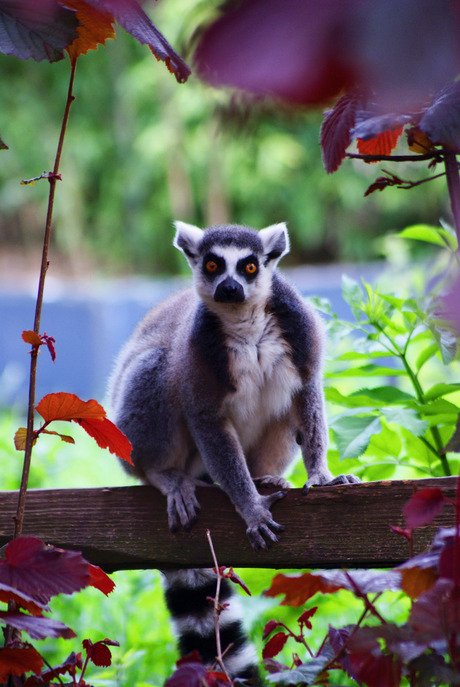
(126, 527)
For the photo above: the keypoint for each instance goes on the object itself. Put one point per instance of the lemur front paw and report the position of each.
(321, 480)
(262, 530)
(271, 481)
(182, 506)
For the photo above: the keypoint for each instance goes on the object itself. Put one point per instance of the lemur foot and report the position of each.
(322, 481)
(271, 481)
(263, 530)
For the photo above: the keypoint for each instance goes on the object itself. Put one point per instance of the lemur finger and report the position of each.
(268, 534)
(270, 499)
(256, 539)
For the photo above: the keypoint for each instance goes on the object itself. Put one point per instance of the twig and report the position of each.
(217, 608)
(395, 158)
(52, 178)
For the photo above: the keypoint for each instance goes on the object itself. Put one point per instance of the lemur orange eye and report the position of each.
(211, 266)
(251, 268)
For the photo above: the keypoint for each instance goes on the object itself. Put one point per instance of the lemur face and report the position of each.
(232, 264)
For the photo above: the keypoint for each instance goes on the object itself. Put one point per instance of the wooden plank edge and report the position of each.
(126, 527)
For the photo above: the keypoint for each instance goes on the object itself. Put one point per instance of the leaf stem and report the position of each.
(52, 178)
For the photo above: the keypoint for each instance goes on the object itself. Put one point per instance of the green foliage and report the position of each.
(401, 416)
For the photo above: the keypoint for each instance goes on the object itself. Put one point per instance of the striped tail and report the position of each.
(186, 593)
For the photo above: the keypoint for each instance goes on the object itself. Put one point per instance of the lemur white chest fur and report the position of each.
(265, 376)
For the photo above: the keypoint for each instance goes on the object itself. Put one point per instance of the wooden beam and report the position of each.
(126, 527)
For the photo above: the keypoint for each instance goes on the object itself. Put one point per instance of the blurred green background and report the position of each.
(141, 151)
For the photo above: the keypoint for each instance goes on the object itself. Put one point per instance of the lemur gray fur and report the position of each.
(224, 382)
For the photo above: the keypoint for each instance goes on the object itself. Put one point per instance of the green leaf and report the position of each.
(447, 343)
(427, 353)
(367, 371)
(352, 434)
(373, 398)
(353, 295)
(442, 389)
(386, 443)
(407, 418)
(428, 234)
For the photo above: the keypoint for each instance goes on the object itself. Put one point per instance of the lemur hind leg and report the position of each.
(179, 489)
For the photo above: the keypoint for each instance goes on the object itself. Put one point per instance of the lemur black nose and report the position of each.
(229, 291)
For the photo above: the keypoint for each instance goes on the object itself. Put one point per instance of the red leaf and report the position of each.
(305, 617)
(100, 580)
(50, 341)
(64, 406)
(407, 534)
(31, 338)
(33, 605)
(269, 627)
(274, 645)
(336, 129)
(107, 435)
(423, 507)
(41, 571)
(99, 653)
(299, 588)
(18, 660)
(37, 627)
(382, 144)
(96, 26)
(233, 577)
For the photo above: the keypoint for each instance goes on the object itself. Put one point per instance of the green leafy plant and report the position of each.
(400, 416)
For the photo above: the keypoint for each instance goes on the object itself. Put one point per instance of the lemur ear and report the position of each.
(275, 241)
(187, 239)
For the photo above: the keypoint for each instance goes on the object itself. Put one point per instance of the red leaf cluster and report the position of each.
(426, 647)
(38, 340)
(30, 574)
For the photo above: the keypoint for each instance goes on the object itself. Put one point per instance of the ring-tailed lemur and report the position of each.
(224, 382)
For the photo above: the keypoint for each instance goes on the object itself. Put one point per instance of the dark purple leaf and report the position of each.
(306, 51)
(336, 127)
(441, 120)
(423, 507)
(376, 671)
(37, 627)
(38, 29)
(41, 571)
(290, 49)
(130, 15)
(188, 675)
(435, 611)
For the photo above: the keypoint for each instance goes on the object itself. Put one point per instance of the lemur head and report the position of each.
(230, 263)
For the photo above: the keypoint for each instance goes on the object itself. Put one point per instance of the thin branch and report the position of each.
(217, 608)
(395, 158)
(52, 178)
